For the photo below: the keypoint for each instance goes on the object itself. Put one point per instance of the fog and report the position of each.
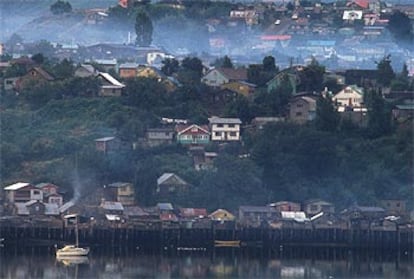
(33, 21)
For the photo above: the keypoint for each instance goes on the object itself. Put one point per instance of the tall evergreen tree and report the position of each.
(385, 72)
(327, 117)
(143, 29)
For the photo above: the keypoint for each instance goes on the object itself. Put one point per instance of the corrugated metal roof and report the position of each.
(219, 120)
(16, 186)
(111, 80)
(298, 216)
(66, 206)
(110, 205)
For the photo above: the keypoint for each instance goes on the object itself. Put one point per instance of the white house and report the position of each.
(23, 192)
(225, 129)
(349, 98)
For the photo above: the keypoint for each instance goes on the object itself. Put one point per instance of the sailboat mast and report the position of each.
(77, 232)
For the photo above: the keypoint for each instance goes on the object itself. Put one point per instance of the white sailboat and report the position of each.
(73, 250)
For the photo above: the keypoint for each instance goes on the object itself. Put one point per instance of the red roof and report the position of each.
(168, 217)
(361, 3)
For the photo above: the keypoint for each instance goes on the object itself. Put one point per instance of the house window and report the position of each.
(299, 105)
(233, 134)
(219, 125)
(232, 125)
(298, 113)
(217, 134)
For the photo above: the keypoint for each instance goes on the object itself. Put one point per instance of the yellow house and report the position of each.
(222, 215)
(240, 87)
(152, 72)
(122, 192)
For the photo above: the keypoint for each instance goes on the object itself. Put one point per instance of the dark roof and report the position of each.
(234, 74)
(43, 73)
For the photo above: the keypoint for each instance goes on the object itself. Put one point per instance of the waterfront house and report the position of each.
(285, 206)
(225, 129)
(313, 207)
(50, 193)
(363, 216)
(219, 76)
(221, 215)
(302, 109)
(110, 86)
(122, 192)
(170, 183)
(158, 136)
(192, 134)
(255, 216)
(112, 210)
(136, 213)
(22, 192)
(394, 207)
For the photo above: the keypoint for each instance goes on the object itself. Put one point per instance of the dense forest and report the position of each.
(48, 133)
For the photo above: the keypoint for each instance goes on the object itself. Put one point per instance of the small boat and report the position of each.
(73, 250)
(226, 243)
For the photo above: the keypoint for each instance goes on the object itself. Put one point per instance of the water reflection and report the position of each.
(228, 263)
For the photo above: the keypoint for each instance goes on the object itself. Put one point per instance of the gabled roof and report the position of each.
(234, 74)
(89, 68)
(43, 73)
(110, 79)
(16, 186)
(166, 176)
(181, 129)
(218, 212)
(219, 120)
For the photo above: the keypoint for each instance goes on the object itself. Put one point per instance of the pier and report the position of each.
(159, 237)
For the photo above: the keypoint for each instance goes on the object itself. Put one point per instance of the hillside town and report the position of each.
(298, 70)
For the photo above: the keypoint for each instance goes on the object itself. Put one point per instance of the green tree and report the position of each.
(224, 62)
(143, 29)
(327, 117)
(269, 64)
(379, 115)
(311, 78)
(384, 71)
(170, 66)
(61, 7)
(64, 69)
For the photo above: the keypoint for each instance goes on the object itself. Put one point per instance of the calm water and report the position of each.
(230, 263)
